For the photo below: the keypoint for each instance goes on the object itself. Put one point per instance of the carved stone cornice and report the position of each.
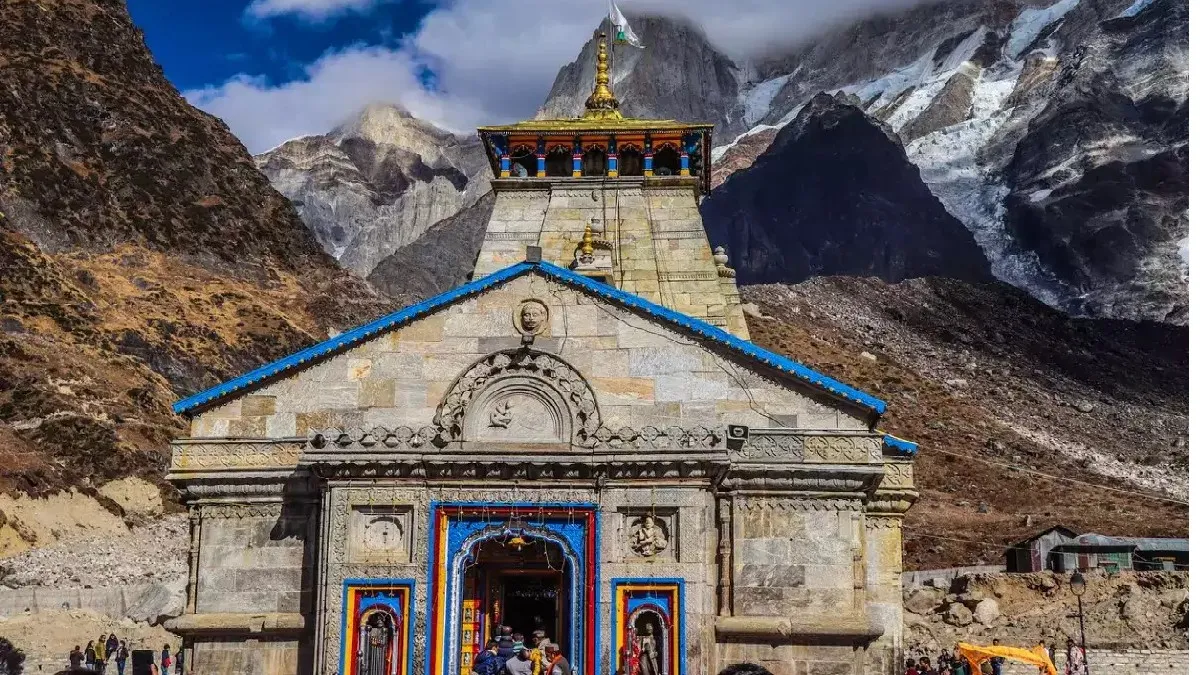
(217, 454)
(238, 625)
(774, 629)
(805, 478)
(294, 486)
(793, 445)
(243, 510)
(797, 503)
(515, 467)
(892, 502)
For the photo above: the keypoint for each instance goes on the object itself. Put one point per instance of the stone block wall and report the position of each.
(254, 560)
(660, 250)
(1119, 662)
(251, 656)
(642, 373)
(793, 557)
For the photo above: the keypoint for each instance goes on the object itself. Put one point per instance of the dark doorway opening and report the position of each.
(666, 161)
(594, 162)
(523, 584)
(630, 163)
(527, 161)
(558, 162)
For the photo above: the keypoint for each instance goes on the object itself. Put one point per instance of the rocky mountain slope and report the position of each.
(984, 377)
(835, 194)
(376, 183)
(143, 256)
(1053, 131)
(441, 258)
(678, 74)
(1144, 610)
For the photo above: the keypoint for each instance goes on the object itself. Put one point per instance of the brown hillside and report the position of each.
(142, 255)
(986, 372)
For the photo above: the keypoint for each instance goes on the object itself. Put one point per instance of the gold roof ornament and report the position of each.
(601, 105)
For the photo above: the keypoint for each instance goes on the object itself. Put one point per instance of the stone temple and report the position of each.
(580, 440)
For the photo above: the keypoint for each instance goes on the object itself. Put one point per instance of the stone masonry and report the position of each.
(786, 539)
(650, 226)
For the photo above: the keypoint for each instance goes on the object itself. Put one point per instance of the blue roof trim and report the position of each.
(899, 444)
(349, 338)
(697, 326)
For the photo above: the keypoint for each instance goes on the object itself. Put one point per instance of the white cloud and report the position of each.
(311, 10)
(494, 60)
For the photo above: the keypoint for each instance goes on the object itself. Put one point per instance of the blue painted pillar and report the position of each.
(612, 156)
(505, 166)
(684, 164)
(577, 158)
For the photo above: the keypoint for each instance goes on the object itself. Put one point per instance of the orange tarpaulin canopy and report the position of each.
(975, 654)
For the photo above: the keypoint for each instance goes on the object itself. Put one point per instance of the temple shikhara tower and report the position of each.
(581, 440)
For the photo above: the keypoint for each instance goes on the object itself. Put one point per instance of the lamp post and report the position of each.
(1079, 587)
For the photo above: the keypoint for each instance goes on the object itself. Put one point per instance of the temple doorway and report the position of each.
(529, 566)
(517, 580)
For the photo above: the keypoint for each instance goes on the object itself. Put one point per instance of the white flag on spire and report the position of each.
(625, 34)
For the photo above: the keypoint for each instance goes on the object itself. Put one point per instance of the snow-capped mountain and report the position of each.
(377, 183)
(1054, 132)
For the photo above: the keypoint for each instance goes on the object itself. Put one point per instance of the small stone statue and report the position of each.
(648, 658)
(502, 416)
(648, 539)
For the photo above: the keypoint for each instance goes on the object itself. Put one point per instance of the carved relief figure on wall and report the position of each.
(383, 533)
(648, 538)
(375, 645)
(531, 317)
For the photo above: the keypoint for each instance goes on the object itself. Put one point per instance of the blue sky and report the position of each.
(278, 69)
(222, 39)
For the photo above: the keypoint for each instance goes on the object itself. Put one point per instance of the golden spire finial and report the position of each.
(601, 104)
(585, 246)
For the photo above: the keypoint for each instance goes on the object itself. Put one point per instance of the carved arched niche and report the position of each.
(520, 396)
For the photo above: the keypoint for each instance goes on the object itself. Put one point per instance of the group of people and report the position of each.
(96, 655)
(508, 654)
(953, 663)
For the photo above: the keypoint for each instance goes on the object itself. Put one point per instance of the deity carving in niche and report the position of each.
(375, 645)
(531, 317)
(383, 533)
(648, 537)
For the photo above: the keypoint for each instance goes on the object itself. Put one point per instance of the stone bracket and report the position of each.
(273, 625)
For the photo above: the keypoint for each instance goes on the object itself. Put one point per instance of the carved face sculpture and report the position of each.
(531, 319)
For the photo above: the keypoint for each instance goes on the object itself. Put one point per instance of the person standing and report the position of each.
(536, 654)
(89, 655)
(520, 663)
(110, 646)
(122, 657)
(101, 655)
(179, 661)
(489, 661)
(165, 660)
(75, 658)
(558, 664)
(997, 661)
